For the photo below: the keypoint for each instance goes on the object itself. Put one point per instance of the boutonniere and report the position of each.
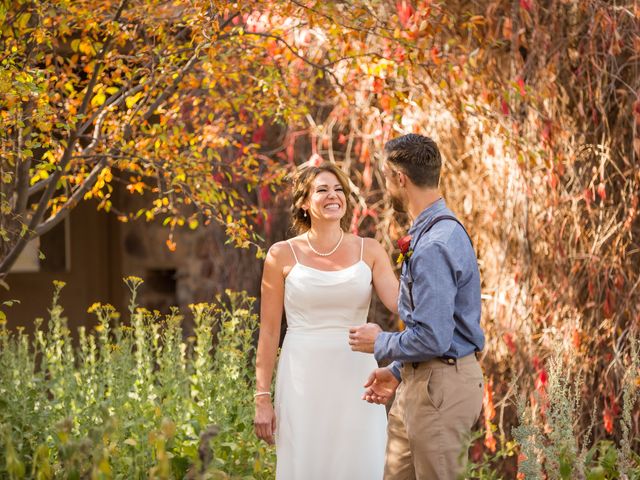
(405, 252)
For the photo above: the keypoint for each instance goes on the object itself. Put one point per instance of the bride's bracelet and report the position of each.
(259, 394)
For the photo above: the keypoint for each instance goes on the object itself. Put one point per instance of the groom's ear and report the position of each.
(402, 178)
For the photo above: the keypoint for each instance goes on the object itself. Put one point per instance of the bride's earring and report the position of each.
(304, 214)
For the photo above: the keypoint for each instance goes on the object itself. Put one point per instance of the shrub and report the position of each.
(135, 400)
(551, 444)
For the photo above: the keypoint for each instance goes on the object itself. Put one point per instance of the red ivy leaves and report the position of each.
(405, 11)
(610, 412)
(526, 4)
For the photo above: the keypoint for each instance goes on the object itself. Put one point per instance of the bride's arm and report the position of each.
(384, 279)
(271, 306)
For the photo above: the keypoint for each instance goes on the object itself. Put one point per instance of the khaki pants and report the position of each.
(435, 407)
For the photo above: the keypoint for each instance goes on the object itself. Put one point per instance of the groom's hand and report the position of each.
(363, 338)
(380, 386)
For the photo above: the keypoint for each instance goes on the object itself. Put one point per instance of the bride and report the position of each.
(323, 279)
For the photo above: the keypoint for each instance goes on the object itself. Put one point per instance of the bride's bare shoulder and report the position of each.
(280, 252)
(369, 243)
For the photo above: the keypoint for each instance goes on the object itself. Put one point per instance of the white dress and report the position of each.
(324, 430)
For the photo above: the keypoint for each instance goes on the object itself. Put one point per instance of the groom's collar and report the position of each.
(427, 215)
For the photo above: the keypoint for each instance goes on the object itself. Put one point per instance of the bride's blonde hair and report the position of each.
(301, 188)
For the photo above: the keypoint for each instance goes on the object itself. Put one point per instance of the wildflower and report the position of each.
(133, 282)
(94, 307)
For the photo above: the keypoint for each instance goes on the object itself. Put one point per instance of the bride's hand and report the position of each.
(380, 386)
(264, 421)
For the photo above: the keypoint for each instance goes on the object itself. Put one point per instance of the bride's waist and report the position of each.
(314, 331)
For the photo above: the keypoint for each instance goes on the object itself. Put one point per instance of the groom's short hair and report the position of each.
(417, 157)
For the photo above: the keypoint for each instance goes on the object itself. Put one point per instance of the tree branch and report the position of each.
(292, 50)
(11, 257)
(64, 211)
(98, 65)
(22, 176)
(174, 85)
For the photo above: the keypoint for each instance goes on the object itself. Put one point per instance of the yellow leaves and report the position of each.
(181, 176)
(84, 45)
(23, 20)
(98, 99)
(474, 22)
(41, 174)
(132, 100)
(193, 224)
(104, 178)
(49, 156)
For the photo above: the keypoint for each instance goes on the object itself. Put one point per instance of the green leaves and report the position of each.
(136, 400)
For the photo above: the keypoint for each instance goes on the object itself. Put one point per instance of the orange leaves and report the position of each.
(378, 84)
(520, 84)
(435, 56)
(366, 174)
(489, 413)
(385, 102)
(171, 245)
(610, 412)
(137, 187)
(576, 338)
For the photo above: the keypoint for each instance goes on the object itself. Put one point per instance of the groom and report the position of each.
(438, 379)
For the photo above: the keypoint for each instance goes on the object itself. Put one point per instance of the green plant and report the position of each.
(134, 400)
(550, 444)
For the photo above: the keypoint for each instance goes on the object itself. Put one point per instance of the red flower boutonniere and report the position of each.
(405, 252)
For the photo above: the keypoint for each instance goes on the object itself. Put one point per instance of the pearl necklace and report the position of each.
(328, 253)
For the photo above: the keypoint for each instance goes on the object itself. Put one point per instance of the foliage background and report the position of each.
(535, 105)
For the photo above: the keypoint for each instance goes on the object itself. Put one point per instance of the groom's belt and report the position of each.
(447, 360)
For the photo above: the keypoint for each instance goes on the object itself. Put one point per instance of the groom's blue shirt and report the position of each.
(446, 292)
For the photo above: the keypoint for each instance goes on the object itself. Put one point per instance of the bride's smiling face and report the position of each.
(326, 200)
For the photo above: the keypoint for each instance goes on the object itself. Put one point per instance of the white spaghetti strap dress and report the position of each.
(324, 430)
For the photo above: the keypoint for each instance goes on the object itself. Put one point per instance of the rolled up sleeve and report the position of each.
(430, 332)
